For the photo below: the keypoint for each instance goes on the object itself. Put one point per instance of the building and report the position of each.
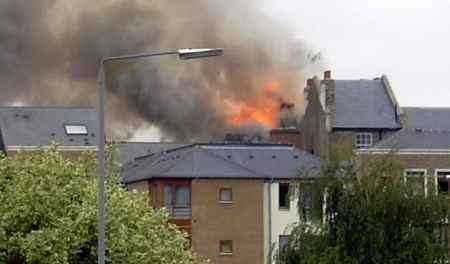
(232, 199)
(364, 116)
(422, 147)
(74, 130)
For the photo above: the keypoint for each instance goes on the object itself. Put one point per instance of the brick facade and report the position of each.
(287, 136)
(240, 221)
(315, 133)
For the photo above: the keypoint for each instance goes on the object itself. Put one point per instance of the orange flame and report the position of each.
(264, 110)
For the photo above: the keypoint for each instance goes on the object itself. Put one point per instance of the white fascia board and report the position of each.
(404, 151)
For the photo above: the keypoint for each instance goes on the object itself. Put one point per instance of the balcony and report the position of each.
(179, 212)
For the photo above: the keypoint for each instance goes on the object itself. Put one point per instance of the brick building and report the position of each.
(364, 115)
(233, 199)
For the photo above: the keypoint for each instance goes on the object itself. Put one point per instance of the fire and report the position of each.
(264, 110)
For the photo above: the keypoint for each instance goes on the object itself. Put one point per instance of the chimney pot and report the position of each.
(327, 75)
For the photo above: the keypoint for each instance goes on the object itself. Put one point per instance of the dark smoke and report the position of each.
(50, 51)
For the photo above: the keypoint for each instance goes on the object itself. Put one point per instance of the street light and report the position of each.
(183, 54)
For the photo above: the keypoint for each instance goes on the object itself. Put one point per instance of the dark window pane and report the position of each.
(443, 181)
(226, 246)
(283, 241)
(168, 196)
(182, 196)
(283, 195)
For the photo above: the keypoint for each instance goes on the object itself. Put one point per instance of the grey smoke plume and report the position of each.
(50, 51)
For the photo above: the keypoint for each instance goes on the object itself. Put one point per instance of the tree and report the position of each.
(371, 216)
(48, 214)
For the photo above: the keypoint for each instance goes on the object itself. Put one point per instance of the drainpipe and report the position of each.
(270, 218)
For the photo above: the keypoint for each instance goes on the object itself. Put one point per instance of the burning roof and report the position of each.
(52, 49)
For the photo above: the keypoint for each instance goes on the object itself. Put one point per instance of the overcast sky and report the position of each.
(409, 40)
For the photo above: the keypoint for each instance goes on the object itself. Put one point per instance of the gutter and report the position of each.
(403, 151)
(270, 218)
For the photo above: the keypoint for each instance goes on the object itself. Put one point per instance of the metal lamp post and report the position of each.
(183, 54)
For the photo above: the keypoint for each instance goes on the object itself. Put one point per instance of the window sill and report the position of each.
(226, 202)
(226, 254)
(284, 209)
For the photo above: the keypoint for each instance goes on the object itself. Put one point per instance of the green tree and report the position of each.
(48, 214)
(371, 216)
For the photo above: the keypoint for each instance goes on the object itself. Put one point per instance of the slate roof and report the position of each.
(416, 139)
(40, 126)
(427, 118)
(248, 161)
(128, 151)
(364, 104)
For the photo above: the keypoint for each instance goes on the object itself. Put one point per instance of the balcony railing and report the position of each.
(179, 212)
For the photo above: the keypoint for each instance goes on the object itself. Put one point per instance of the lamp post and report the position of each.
(183, 54)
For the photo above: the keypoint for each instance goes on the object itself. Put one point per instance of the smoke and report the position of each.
(50, 52)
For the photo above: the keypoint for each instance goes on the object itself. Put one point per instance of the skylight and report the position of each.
(76, 129)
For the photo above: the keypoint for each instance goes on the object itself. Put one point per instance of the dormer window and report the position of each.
(363, 140)
(76, 129)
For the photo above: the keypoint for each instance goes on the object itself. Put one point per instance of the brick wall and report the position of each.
(429, 162)
(141, 186)
(315, 134)
(240, 221)
(287, 136)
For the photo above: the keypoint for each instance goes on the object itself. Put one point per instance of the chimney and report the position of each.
(290, 135)
(327, 75)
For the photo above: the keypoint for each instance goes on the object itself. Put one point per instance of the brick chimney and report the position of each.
(327, 75)
(287, 136)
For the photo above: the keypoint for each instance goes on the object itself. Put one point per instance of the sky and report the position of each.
(408, 40)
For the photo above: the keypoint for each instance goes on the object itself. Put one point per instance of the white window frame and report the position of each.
(77, 127)
(425, 177)
(220, 195)
(436, 171)
(226, 253)
(363, 145)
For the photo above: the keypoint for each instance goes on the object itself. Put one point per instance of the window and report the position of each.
(443, 178)
(182, 197)
(306, 196)
(177, 196)
(363, 140)
(76, 129)
(416, 179)
(283, 241)
(226, 247)
(225, 195)
(283, 195)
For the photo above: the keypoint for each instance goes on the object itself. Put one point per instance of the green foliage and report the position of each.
(48, 214)
(371, 216)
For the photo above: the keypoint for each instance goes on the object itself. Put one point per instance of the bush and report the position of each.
(48, 213)
(371, 216)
